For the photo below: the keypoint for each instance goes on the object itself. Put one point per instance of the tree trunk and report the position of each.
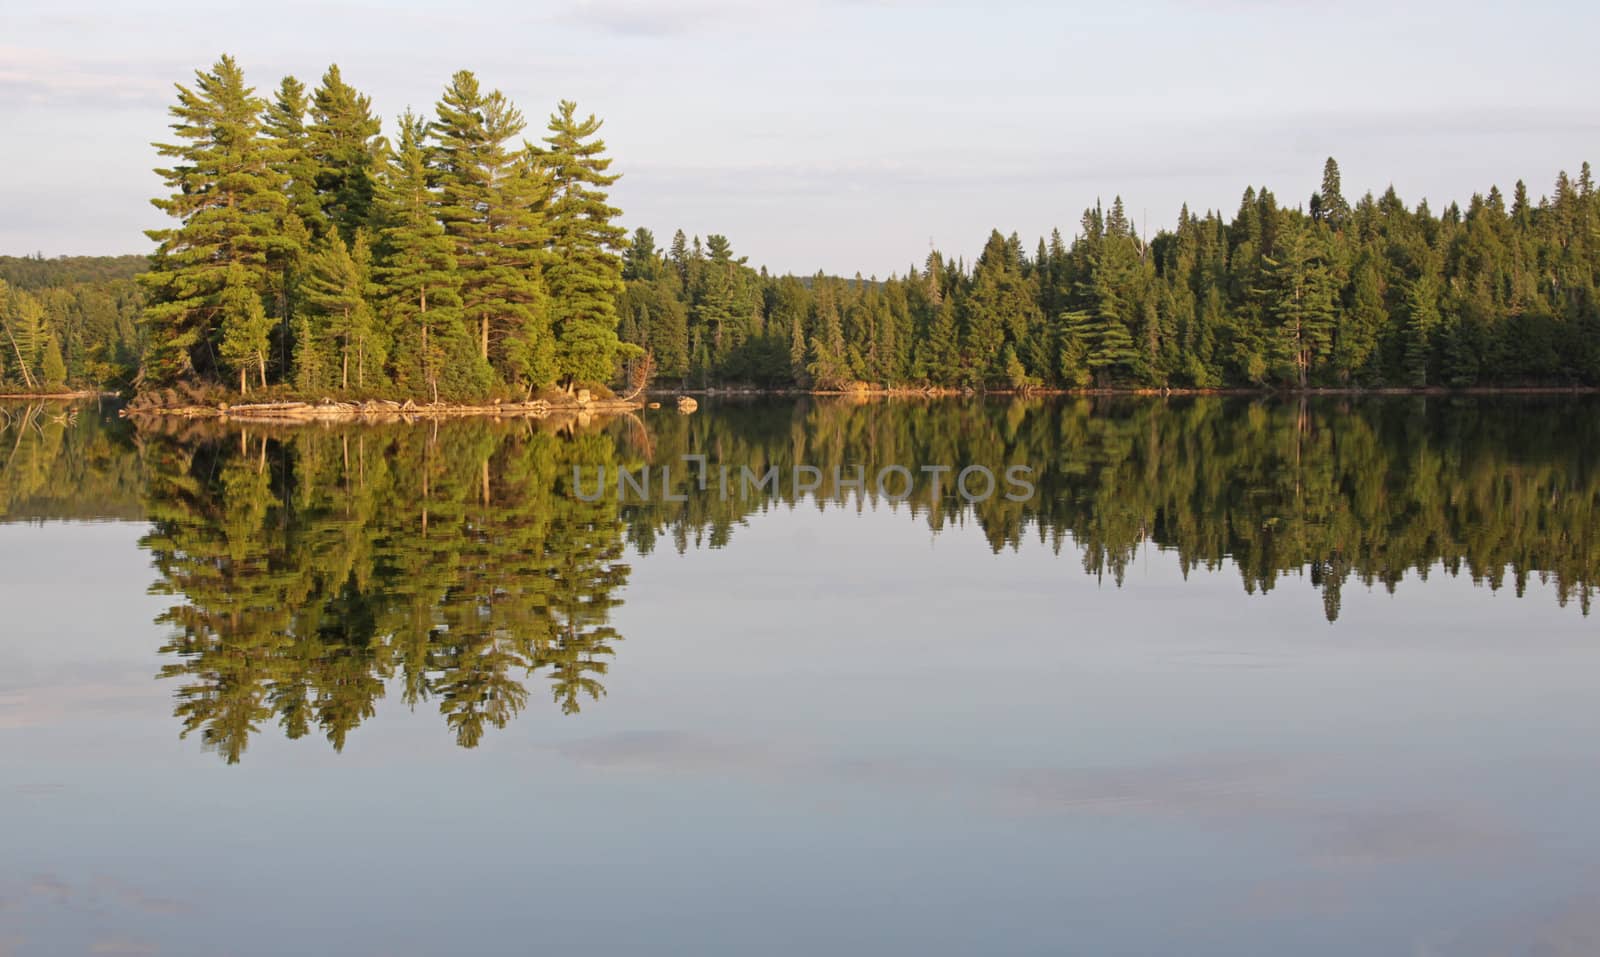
(483, 327)
(244, 387)
(21, 362)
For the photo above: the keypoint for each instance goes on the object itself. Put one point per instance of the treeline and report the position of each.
(454, 259)
(71, 321)
(1323, 294)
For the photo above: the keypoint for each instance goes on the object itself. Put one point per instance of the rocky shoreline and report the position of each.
(377, 410)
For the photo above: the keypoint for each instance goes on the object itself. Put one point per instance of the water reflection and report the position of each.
(315, 571)
(1332, 490)
(310, 569)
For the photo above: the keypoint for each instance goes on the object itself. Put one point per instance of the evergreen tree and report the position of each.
(26, 332)
(641, 259)
(1301, 293)
(1333, 207)
(341, 318)
(284, 124)
(492, 207)
(419, 283)
(52, 367)
(228, 198)
(342, 140)
(245, 328)
(1422, 319)
(584, 274)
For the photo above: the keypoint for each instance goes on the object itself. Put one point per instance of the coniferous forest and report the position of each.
(459, 255)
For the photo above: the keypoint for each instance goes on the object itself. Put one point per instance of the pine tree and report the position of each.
(245, 328)
(716, 297)
(584, 273)
(229, 201)
(1422, 318)
(641, 260)
(285, 126)
(1301, 292)
(1360, 325)
(1113, 267)
(1072, 361)
(342, 140)
(418, 280)
(829, 367)
(492, 208)
(678, 255)
(51, 366)
(335, 291)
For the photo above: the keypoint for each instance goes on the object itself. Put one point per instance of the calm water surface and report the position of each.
(1239, 678)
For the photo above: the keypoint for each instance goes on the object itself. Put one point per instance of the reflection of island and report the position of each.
(313, 566)
(313, 570)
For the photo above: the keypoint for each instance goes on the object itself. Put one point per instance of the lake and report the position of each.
(1212, 676)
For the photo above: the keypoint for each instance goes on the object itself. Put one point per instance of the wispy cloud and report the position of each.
(40, 77)
(1228, 791)
(651, 18)
(122, 945)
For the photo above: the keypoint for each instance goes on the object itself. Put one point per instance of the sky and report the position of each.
(847, 135)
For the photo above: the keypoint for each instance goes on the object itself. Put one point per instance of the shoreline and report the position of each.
(373, 411)
(295, 411)
(57, 396)
(950, 393)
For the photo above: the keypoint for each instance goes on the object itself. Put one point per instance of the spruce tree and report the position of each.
(1335, 209)
(52, 367)
(1301, 296)
(1422, 319)
(641, 259)
(584, 273)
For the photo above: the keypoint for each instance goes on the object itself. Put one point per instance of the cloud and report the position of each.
(42, 78)
(122, 945)
(652, 18)
(1227, 791)
(137, 899)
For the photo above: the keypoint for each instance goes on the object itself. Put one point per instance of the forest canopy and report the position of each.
(456, 258)
(460, 256)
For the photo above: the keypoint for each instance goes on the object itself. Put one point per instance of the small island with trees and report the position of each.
(456, 264)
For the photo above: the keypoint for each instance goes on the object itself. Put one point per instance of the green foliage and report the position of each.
(245, 328)
(228, 198)
(308, 568)
(52, 368)
(499, 265)
(341, 327)
(584, 274)
(342, 145)
(492, 205)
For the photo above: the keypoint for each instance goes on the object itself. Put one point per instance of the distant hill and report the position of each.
(36, 272)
